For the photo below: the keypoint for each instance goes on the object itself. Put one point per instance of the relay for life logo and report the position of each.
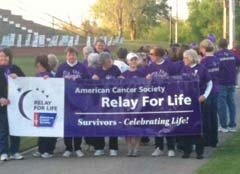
(43, 111)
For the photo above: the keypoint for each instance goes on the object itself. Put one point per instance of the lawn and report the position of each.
(226, 159)
(27, 64)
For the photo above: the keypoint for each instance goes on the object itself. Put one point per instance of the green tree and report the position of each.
(128, 16)
(205, 17)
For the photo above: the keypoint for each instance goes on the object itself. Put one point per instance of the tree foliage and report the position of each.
(205, 17)
(129, 16)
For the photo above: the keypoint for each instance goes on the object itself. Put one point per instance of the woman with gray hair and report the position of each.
(93, 60)
(53, 62)
(86, 51)
(192, 67)
(106, 70)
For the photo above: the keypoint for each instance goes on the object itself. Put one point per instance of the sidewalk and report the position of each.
(145, 164)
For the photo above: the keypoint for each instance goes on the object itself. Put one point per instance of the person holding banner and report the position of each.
(7, 69)
(46, 145)
(93, 63)
(161, 68)
(192, 67)
(133, 72)
(106, 71)
(72, 69)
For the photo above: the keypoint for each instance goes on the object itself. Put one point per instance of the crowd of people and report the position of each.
(214, 64)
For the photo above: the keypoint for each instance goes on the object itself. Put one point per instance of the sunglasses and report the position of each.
(151, 54)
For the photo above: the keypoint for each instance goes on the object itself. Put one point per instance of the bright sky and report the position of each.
(179, 7)
(68, 10)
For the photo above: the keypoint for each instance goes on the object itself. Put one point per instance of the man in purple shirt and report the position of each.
(72, 69)
(227, 80)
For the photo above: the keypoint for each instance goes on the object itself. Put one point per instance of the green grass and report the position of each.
(27, 143)
(136, 44)
(226, 159)
(27, 64)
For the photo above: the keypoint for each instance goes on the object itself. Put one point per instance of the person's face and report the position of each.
(40, 68)
(107, 64)
(202, 50)
(4, 60)
(133, 62)
(187, 61)
(100, 47)
(153, 56)
(71, 57)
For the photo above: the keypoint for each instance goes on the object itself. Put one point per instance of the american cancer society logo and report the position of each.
(44, 119)
(38, 107)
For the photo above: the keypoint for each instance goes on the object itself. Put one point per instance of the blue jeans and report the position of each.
(4, 135)
(226, 99)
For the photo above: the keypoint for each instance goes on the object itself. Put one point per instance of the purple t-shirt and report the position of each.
(134, 74)
(85, 63)
(91, 71)
(199, 71)
(227, 67)
(212, 65)
(77, 71)
(161, 70)
(111, 73)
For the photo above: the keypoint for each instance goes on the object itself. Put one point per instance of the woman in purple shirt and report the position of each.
(210, 110)
(72, 69)
(106, 71)
(161, 68)
(133, 72)
(46, 145)
(192, 67)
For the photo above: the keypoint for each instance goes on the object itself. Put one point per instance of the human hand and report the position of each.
(201, 98)
(4, 101)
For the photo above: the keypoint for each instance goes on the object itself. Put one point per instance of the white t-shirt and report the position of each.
(121, 65)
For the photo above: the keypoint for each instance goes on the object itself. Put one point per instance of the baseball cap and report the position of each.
(131, 55)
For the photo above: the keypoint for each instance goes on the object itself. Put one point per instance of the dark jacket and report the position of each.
(4, 72)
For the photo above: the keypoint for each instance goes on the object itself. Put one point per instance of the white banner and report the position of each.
(36, 107)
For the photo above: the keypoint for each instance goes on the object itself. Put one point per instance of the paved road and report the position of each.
(145, 164)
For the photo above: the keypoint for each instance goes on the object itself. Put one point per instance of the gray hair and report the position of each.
(52, 61)
(93, 59)
(103, 56)
(87, 50)
(191, 55)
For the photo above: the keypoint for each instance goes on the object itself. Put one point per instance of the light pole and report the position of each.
(170, 25)
(224, 19)
(231, 22)
(176, 23)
